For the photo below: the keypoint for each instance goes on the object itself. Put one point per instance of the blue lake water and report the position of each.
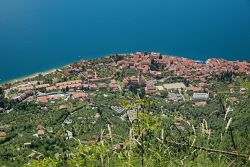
(37, 35)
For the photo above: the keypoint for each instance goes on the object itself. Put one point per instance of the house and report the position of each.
(8, 111)
(232, 90)
(30, 99)
(243, 90)
(178, 121)
(55, 97)
(75, 86)
(155, 74)
(42, 86)
(27, 145)
(39, 127)
(25, 88)
(68, 83)
(200, 96)
(42, 99)
(174, 97)
(69, 135)
(85, 86)
(143, 68)
(100, 79)
(133, 80)
(114, 86)
(40, 132)
(145, 62)
(125, 82)
(36, 155)
(2, 134)
(150, 89)
(140, 81)
(97, 115)
(51, 88)
(160, 88)
(194, 89)
(200, 104)
(22, 96)
(68, 120)
(59, 155)
(63, 106)
(118, 109)
(80, 95)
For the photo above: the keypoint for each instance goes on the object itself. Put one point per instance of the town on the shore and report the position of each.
(151, 71)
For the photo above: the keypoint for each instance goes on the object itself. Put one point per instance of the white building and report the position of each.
(200, 96)
(174, 86)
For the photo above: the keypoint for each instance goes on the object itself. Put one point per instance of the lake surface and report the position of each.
(36, 35)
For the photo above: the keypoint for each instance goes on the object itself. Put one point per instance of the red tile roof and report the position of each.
(79, 95)
(195, 89)
(2, 134)
(42, 99)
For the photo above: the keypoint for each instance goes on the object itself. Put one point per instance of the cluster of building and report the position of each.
(176, 90)
(196, 71)
(131, 115)
(140, 62)
(47, 98)
(95, 83)
(139, 81)
(75, 89)
(78, 95)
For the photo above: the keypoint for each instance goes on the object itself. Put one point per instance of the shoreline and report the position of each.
(28, 76)
(53, 69)
(50, 70)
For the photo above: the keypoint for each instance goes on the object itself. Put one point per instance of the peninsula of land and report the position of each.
(138, 108)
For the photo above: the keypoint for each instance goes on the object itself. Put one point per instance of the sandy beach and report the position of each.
(29, 76)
